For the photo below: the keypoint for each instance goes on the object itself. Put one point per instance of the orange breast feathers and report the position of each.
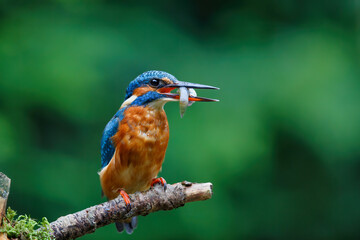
(140, 146)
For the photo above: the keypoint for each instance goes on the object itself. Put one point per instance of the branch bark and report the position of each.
(4, 193)
(142, 203)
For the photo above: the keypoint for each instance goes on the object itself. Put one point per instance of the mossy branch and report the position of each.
(88, 220)
(24, 227)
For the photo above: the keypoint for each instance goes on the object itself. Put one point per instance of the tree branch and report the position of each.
(142, 203)
(4, 193)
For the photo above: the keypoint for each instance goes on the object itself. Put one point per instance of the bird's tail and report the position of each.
(128, 226)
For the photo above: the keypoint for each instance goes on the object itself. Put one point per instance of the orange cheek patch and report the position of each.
(142, 90)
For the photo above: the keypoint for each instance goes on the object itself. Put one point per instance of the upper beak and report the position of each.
(191, 85)
(168, 88)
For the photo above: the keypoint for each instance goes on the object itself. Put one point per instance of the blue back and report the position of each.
(107, 147)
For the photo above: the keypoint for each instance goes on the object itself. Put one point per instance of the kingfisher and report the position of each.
(134, 141)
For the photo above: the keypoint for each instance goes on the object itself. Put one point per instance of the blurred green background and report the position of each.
(282, 147)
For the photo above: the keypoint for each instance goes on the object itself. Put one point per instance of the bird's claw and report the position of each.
(160, 180)
(126, 198)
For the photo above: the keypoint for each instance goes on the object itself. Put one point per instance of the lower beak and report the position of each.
(168, 88)
(191, 98)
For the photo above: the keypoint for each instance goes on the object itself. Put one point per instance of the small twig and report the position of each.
(142, 203)
(6, 218)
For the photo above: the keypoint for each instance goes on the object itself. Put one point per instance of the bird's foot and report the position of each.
(126, 198)
(159, 180)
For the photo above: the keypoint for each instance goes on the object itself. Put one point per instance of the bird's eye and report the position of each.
(154, 82)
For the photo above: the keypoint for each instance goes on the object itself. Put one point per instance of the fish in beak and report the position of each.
(186, 94)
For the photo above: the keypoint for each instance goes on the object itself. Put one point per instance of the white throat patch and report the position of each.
(128, 101)
(159, 103)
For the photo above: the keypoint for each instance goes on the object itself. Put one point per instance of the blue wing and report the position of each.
(107, 146)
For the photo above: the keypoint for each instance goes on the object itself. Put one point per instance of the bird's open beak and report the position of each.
(168, 88)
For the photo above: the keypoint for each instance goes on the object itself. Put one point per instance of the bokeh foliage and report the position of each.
(282, 147)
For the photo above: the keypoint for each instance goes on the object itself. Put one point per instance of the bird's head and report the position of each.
(154, 88)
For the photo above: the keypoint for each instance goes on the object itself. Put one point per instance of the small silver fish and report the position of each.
(184, 99)
(192, 93)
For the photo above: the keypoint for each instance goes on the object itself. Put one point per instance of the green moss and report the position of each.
(24, 227)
